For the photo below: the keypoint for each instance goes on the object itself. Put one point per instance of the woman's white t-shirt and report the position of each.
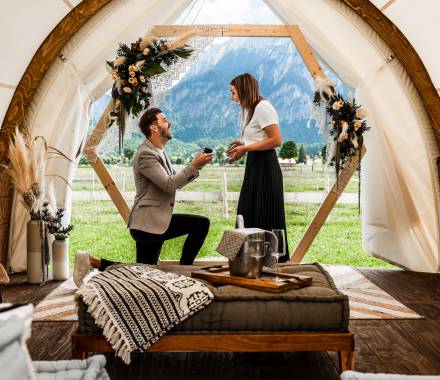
(264, 115)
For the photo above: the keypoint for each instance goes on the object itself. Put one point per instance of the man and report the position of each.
(151, 220)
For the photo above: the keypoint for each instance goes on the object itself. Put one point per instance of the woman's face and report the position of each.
(234, 94)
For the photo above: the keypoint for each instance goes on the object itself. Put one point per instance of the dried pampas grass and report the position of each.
(19, 167)
(148, 40)
(26, 170)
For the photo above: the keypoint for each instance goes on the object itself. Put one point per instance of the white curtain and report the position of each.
(399, 177)
(60, 110)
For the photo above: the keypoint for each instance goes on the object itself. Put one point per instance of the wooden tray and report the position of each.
(218, 274)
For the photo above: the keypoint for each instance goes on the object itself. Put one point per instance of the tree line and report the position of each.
(289, 150)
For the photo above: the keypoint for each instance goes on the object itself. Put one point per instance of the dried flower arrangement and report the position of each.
(133, 67)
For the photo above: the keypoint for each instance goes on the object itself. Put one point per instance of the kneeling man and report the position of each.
(151, 220)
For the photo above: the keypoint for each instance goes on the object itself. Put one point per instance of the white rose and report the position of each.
(360, 114)
(146, 51)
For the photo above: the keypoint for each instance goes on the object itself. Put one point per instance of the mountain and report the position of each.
(199, 105)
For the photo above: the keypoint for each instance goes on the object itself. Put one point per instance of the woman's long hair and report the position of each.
(248, 93)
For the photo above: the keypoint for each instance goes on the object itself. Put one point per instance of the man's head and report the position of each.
(154, 125)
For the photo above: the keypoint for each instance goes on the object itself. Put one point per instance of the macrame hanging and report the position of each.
(161, 84)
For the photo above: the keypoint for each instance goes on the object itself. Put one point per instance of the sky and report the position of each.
(228, 12)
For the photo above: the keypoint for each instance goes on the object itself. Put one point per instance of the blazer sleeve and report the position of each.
(189, 180)
(151, 168)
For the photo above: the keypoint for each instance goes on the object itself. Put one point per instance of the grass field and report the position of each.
(100, 230)
(296, 179)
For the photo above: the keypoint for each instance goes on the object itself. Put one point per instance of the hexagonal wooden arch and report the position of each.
(292, 31)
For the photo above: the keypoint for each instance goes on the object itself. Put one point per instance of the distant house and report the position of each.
(287, 161)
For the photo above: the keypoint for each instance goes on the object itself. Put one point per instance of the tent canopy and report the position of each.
(400, 176)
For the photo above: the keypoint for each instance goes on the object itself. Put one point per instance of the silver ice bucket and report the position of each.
(243, 264)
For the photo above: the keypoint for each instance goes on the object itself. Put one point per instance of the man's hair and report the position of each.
(148, 119)
(248, 93)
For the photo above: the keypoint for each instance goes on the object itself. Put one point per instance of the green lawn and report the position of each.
(100, 230)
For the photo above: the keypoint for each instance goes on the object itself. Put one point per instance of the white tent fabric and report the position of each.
(60, 109)
(399, 181)
(400, 184)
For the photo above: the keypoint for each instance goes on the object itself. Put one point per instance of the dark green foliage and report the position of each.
(302, 155)
(288, 150)
(55, 222)
(129, 153)
(324, 154)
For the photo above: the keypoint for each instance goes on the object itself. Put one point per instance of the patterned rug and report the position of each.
(367, 301)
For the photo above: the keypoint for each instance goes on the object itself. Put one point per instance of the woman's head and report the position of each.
(245, 90)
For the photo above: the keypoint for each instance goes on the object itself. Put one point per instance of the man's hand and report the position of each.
(202, 159)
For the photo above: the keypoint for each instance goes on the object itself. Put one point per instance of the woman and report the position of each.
(261, 199)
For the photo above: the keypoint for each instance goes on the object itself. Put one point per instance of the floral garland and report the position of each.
(132, 69)
(348, 123)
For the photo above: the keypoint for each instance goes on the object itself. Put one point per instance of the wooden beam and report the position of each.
(112, 189)
(221, 30)
(325, 208)
(90, 152)
(229, 342)
(384, 7)
(305, 51)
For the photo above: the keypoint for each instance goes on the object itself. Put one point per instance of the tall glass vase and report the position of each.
(37, 252)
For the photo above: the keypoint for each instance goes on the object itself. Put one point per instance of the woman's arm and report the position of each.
(273, 140)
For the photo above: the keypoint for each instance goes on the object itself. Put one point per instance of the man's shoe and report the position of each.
(82, 267)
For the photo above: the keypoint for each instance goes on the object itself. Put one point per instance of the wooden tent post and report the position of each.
(90, 152)
(325, 208)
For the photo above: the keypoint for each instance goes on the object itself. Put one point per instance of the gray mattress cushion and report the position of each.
(319, 307)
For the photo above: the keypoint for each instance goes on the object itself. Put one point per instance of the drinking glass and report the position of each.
(256, 251)
(280, 248)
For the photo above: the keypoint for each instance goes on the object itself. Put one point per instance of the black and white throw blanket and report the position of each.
(135, 305)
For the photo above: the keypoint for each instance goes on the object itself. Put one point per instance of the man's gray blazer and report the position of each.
(156, 184)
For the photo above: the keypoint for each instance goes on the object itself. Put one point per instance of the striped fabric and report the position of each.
(367, 301)
(135, 305)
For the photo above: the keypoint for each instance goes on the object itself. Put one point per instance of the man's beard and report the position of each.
(165, 134)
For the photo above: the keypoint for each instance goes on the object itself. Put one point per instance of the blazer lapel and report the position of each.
(167, 167)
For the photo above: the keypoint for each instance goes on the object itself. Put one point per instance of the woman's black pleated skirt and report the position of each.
(261, 199)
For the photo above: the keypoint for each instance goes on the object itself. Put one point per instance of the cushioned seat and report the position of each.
(319, 307)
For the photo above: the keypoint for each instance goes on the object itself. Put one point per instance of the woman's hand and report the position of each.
(236, 153)
(233, 145)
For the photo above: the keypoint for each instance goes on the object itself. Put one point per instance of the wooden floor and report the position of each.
(389, 346)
